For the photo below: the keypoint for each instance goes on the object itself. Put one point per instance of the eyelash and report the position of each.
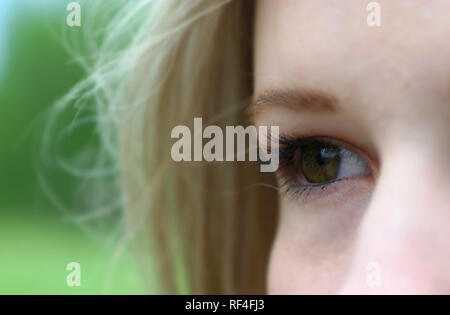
(288, 170)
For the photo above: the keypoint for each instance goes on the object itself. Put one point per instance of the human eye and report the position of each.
(311, 165)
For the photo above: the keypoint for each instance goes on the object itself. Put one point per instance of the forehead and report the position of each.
(328, 45)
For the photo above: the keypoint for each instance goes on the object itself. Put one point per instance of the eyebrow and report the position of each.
(295, 99)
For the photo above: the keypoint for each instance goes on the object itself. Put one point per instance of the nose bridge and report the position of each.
(402, 244)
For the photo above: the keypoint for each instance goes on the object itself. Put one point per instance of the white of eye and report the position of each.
(351, 165)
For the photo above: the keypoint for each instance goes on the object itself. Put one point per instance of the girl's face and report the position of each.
(364, 116)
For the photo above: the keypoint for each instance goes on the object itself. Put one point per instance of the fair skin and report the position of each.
(387, 93)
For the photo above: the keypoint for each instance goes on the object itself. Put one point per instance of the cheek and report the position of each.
(296, 270)
(313, 248)
(286, 274)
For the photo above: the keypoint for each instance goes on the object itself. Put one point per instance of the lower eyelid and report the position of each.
(321, 192)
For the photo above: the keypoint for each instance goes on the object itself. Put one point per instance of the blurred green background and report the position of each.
(37, 238)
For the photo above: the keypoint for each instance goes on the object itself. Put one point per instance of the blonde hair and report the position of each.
(207, 227)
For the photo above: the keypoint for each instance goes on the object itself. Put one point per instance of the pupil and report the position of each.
(320, 159)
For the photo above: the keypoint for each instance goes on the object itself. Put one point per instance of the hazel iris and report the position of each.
(320, 163)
